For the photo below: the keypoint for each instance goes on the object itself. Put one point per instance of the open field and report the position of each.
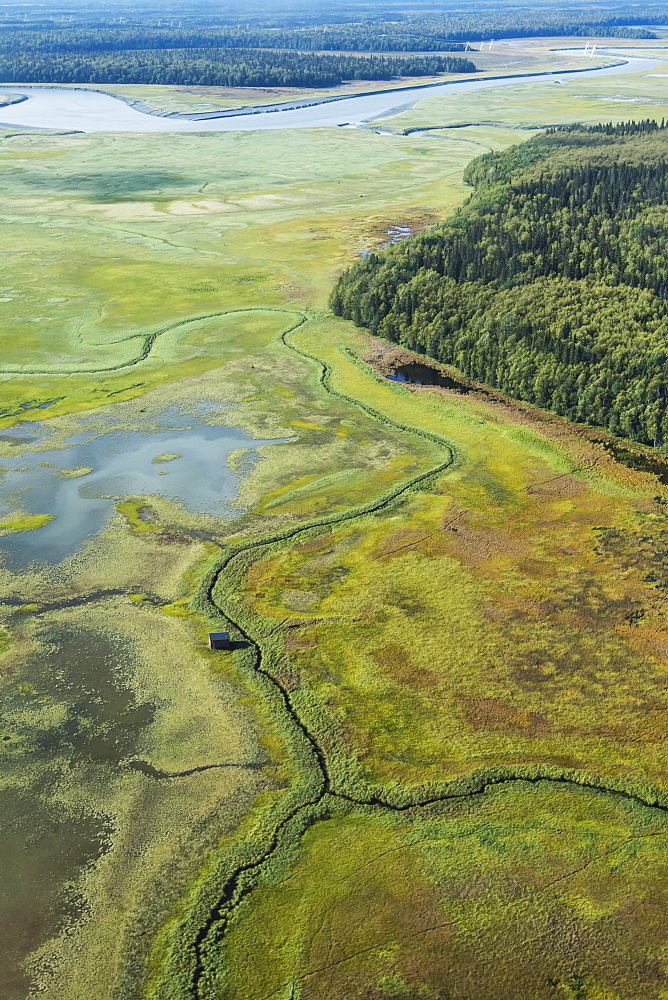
(636, 96)
(444, 716)
(127, 251)
(430, 904)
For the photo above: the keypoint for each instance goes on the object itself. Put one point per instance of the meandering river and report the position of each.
(90, 111)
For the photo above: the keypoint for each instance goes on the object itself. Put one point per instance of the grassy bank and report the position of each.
(433, 623)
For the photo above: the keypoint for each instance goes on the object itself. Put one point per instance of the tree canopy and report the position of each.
(551, 283)
(59, 58)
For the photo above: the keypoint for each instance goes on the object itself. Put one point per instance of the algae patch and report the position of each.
(82, 470)
(139, 516)
(24, 522)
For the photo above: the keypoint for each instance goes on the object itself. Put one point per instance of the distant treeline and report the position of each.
(348, 38)
(218, 67)
(531, 23)
(291, 55)
(347, 15)
(550, 284)
(430, 34)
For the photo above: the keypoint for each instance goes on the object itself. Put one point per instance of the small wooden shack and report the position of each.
(219, 640)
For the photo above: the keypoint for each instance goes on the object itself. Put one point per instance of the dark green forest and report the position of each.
(344, 38)
(423, 35)
(550, 283)
(288, 52)
(145, 29)
(218, 67)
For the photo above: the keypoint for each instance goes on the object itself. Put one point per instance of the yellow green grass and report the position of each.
(607, 98)
(454, 633)
(24, 522)
(523, 892)
(137, 515)
(504, 617)
(447, 636)
(82, 470)
(265, 220)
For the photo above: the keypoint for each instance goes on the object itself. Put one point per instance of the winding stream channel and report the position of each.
(232, 885)
(90, 111)
(241, 880)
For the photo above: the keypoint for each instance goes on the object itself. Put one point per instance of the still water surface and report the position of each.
(417, 374)
(128, 463)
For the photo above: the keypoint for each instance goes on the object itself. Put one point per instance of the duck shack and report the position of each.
(219, 640)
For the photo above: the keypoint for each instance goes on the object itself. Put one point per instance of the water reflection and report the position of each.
(79, 484)
(417, 374)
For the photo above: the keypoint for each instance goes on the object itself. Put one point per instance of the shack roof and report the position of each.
(219, 635)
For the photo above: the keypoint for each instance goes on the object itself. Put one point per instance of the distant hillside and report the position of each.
(551, 283)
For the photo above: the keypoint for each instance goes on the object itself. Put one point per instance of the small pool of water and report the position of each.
(638, 461)
(417, 374)
(185, 460)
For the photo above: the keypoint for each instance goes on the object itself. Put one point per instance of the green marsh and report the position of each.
(502, 616)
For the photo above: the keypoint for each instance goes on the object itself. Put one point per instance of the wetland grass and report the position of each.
(429, 905)
(446, 699)
(24, 522)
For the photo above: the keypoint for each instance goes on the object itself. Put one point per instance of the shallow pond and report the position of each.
(186, 460)
(417, 374)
